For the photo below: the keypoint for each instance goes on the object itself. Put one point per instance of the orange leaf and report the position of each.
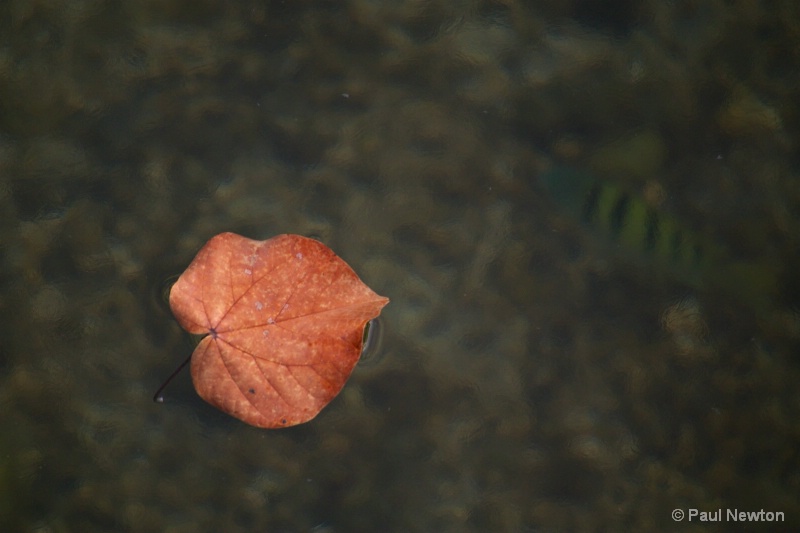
(285, 321)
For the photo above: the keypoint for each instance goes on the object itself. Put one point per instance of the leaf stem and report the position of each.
(157, 397)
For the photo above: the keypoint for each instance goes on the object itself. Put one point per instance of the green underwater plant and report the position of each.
(666, 243)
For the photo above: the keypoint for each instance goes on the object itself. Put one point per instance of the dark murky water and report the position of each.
(534, 374)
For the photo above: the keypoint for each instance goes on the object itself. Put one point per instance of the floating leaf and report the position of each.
(284, 320)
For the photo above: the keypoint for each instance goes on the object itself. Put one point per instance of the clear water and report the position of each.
(530, 377)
